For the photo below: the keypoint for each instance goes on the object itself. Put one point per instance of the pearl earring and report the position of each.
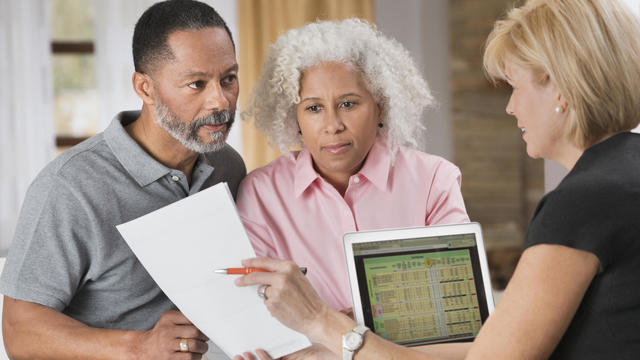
(559, 109)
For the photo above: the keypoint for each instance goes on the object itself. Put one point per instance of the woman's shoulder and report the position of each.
(272, 174)
(590, 198)
(422, 161)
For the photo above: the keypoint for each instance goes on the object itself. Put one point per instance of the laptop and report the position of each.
(423, 285)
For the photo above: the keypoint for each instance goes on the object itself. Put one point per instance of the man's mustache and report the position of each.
(217, 117)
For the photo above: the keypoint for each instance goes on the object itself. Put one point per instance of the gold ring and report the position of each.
(184, 346)
(262, 291)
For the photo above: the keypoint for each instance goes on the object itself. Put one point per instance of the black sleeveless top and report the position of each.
(596, 208)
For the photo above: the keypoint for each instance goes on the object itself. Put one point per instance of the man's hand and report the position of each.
(163, 341)
(34, 331)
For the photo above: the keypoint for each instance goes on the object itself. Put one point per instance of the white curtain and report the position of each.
(27, 140)
(115, 20)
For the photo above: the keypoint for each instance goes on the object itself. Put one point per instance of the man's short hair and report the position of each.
(152, 30)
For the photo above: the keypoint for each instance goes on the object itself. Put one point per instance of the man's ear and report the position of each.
(143, 86)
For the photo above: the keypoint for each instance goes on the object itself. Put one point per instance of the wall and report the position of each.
(501, 185)
(423, 28)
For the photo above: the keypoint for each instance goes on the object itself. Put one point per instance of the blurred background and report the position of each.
(66, 69)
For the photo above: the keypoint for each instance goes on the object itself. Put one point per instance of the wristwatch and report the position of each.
(352, 341)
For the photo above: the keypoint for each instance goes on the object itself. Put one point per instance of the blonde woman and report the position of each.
(350, 99)
(574, 66)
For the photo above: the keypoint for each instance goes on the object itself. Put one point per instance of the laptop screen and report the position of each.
(422, 290)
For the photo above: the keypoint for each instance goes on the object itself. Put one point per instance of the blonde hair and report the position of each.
(589, 48)
(387, 69)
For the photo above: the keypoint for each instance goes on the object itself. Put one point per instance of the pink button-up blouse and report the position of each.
(290, 212)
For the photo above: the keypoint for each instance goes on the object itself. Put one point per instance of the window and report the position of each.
(74, 78)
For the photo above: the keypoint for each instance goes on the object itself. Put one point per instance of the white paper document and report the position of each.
(181, 244)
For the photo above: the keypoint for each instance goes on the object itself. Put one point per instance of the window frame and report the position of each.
(75, 48)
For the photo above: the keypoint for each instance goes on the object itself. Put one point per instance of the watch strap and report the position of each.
(347, 354)
(360, 329)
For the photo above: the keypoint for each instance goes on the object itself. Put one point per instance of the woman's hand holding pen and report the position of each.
(289, 296)
(291, 299)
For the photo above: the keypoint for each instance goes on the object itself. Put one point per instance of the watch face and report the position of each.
(352, 341)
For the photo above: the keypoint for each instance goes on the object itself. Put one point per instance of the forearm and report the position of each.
(33, 331)
(451, 351)
(292, 300)
(332, 325)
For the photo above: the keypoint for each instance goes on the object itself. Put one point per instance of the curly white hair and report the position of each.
(389, 72)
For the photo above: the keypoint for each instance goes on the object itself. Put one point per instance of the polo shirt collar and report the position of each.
(138, 163)
(376, 168)
(201, 172)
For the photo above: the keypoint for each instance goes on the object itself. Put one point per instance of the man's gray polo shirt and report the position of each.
(67, 253)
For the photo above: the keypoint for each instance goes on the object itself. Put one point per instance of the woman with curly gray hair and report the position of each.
(350, 100)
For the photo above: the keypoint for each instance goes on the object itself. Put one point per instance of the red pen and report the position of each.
(247, 270)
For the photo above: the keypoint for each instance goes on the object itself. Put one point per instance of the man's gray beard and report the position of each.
(188, 136)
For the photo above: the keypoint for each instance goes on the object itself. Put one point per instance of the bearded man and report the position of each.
(73, 288)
